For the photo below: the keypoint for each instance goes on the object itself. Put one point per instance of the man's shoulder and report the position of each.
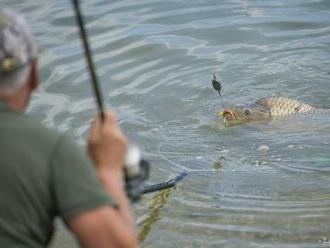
(25, 127)
(24, 134)
(30, 123)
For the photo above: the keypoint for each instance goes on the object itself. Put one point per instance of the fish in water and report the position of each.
(267, 109)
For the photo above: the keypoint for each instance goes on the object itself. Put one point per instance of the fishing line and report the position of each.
(233, 92)
(179, 165)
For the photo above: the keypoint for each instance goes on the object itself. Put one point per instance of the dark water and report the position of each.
(156, 60)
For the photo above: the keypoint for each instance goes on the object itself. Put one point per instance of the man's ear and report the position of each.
(34, 76)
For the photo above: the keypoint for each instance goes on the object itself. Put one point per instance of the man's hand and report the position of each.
(107, 144)
(107, 226)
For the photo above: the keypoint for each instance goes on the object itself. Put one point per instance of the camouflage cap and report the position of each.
(17, 45)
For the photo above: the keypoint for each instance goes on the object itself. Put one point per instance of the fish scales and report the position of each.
(285, 106)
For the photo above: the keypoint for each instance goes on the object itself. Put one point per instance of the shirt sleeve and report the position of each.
(74, 181)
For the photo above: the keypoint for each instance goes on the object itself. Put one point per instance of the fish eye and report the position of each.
(247, 112)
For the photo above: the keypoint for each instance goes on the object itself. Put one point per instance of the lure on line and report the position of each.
(216, 84)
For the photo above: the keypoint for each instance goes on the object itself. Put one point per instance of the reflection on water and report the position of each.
(157, 203)
(156, 60)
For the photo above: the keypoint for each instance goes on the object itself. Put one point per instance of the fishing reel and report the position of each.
(136, 172)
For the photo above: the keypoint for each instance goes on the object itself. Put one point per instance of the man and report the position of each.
(43, 174)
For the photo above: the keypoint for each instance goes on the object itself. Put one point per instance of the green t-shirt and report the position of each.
(42, 175)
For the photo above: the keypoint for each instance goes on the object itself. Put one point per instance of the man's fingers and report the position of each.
(110, 117)
(95, 128)
(99, 127)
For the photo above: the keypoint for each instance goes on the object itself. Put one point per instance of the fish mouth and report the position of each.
(227, 114)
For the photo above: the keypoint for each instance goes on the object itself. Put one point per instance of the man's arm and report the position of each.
(107, 226)
(102, 227)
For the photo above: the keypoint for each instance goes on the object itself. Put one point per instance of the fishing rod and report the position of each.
(89, 59)
(136, 169)
(168, 184)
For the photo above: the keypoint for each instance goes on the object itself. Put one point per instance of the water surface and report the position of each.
(155, 60)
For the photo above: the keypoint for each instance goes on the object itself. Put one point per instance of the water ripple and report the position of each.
(155, 60)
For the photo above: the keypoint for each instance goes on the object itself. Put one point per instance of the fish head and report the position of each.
(245, 114)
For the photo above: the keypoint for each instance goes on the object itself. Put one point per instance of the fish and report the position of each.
(267, 109)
